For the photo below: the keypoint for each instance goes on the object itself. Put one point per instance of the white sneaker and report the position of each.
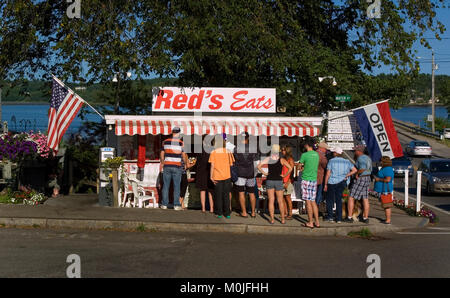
(178, 208)
(163, 207)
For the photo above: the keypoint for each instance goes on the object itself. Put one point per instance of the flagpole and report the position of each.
(350, 112)
(376, 103)
(59, 81)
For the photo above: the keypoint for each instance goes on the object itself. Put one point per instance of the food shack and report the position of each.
(199, 112)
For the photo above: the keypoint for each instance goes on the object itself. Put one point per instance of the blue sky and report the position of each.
(441, 48)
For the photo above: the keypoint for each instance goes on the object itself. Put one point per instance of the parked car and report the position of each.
(446, 133)
(421, 148)
(400, 164)
(435, 175)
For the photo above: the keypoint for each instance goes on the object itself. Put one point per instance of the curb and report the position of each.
(87, 224)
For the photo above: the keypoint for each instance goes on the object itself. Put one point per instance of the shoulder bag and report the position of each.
(386, 198)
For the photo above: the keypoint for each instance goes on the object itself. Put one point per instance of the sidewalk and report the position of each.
(83, 212)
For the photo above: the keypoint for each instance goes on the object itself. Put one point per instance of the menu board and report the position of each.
(343, 130)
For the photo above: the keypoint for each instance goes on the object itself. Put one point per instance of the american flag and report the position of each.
(64, 107)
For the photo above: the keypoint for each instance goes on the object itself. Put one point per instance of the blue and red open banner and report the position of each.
(377, 128)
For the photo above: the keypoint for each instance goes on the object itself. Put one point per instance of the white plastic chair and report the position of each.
(127, 191)
(140, 196)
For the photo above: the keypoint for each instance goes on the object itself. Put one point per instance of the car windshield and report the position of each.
(424, 144)
(440, 166)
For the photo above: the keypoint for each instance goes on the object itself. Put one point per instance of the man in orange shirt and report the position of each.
(221, 160)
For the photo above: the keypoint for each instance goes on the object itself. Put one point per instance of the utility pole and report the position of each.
(433, 99)
(0, 105)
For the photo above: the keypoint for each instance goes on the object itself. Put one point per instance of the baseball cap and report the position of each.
(176, 130)
(245, 134)
(337, 150)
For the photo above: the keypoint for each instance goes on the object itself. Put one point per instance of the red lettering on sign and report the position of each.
(195, 102)
(235, 105)
(163, 96)
(179, 102)
(216, 101)
(253, 103)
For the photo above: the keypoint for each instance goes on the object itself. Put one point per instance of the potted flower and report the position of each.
(112, 166)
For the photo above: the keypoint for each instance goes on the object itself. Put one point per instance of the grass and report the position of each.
(4, 199)
(141, 228)
(363, 233)
(445, 142)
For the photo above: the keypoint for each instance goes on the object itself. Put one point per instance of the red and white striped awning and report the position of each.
(232, 126)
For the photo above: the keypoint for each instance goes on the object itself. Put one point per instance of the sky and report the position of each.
(441, 48)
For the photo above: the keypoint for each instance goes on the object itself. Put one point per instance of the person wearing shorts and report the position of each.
(360, 188)
(309, 162)
(274, 182)
(288, 186)
(244, 162)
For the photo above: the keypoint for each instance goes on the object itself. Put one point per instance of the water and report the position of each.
(34, 117)
(416, 114)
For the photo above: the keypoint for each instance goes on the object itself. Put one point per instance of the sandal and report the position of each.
(307, 226)
(317, 226)
(243, 216)
(289, 217)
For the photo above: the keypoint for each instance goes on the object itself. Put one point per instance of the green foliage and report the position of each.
(256, 43)
(24, 196)
(84, 155)
(440, 123)
(113, 162)
(141, 228)
(363, 233)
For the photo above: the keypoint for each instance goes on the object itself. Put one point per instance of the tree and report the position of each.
(256, 43)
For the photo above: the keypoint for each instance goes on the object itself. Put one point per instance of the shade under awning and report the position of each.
(192, 125)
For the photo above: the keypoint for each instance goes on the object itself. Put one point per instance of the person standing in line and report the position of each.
(323, 161)
(384, 185)
(309, 162)
(286, 152)
(185, 181)
(360, 188)
(203, 179)
(230, 147)
(274, 182)
(221, 160)
(246, 174)
(171, 159)
(339, 170)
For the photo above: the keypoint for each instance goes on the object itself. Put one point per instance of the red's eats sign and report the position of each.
(250, 100)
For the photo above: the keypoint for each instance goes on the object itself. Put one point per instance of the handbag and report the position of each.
(233, 171)
(386, 198)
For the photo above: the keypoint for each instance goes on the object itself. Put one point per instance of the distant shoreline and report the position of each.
(423, 105)
(35, 103)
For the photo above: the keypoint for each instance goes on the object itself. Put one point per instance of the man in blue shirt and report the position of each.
(360, 189)
(338, 172)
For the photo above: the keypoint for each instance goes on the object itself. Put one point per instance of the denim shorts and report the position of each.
(274, 184)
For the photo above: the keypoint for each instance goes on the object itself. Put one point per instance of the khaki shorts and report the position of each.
(289, 190)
